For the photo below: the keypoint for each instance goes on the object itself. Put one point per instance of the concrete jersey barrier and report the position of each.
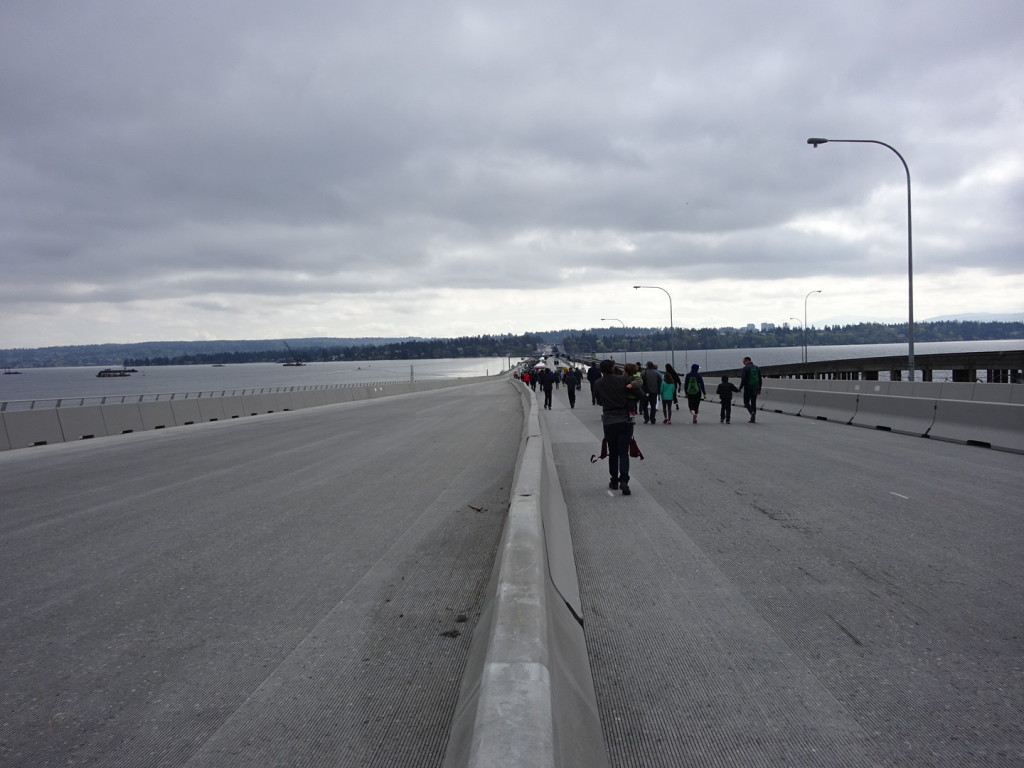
(527, 696)
(44, 426)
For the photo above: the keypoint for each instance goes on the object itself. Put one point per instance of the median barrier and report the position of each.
(1017, 394)
(992, 425)
(957, 390)
(906, 415)
(993, 393)
(786, 400)
(829, 406)
(527, 695)
(122, 418)
(871, 387)
(185, 412)
(81, 423)
(38, 427)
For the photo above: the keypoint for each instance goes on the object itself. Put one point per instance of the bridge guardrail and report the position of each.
(27, 423)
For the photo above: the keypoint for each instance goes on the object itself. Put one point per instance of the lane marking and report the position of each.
(893, 493)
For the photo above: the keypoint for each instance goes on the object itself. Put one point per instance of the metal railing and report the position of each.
(73, 402)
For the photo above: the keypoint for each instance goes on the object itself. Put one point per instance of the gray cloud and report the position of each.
(369, 159)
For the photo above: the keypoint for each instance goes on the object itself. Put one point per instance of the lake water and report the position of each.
(51, 383)
(55, 383)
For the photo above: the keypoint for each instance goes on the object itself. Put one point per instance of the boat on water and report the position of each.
(296, 360)
(115, 373)
(8, 370)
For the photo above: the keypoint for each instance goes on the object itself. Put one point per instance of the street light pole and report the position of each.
(671, 322)
(625, 353)
(805, 323)
(910, 243)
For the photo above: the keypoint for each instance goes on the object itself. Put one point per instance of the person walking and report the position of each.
(675, 378)
(612, 391)
(652, 388)
(668, 396)
(571, 385)
(547, 383)
(593, 376)
(636, 392)
(693, 388)
(724, 392)
(750, 385)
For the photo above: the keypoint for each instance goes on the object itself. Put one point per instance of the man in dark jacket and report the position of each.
(750, 385)
(652, 388)
(618, 424)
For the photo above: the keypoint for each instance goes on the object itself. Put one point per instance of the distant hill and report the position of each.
(591, 341)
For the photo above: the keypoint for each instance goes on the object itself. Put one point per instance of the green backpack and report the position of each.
(754, 378)
(693, 386)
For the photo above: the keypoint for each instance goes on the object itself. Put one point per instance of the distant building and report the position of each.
(767, 327)
(750, 328)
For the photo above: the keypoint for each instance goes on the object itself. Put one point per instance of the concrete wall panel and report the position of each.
(1017, 394)
(907, 415)
(957, 390)
(211, 408)
(122, 418)
(186, 412)
(85, 421)
(870, 387)
(254, 405)
(233, 407)
(25, 428)
(5, 441)
(157, 414)
(993, 424)
(993, 393)
(830, 406)
(789, 401)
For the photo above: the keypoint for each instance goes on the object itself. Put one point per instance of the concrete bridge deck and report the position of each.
(289, 589)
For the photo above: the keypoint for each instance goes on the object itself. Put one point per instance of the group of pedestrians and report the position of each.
(627, 393)
(620, 394)
(548, 380)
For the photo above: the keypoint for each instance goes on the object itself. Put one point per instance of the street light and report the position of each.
(671, 322)
(910, 243)
(625, 354)
(805, 323)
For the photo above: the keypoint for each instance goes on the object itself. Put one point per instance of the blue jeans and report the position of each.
(618, 437)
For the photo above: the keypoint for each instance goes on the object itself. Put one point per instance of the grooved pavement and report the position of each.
(280, 590)
(798, 593)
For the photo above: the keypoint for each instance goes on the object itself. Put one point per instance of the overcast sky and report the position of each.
(243, 169)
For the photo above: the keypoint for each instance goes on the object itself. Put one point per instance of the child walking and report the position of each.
(724, 392)
(668, 395)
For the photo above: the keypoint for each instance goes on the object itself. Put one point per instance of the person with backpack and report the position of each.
(693, 388)
(750, 386)
(652, 388)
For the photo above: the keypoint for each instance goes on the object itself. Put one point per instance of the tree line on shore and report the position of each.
(593, 341)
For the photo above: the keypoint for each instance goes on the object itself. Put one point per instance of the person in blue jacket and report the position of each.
(693, 388)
